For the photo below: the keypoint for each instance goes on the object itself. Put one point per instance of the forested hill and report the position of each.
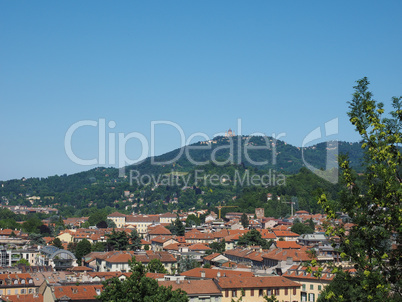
(102, 187)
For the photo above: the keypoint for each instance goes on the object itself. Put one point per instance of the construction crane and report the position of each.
(293, 201)
(220, 208)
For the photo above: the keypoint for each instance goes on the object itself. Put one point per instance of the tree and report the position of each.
(36, 239)
(135, 240)
(244, 220)
(156, 266)
(57, 243)
(102, 225)
(117, 241)
(71, 247)
(301, 228)
(98, 247)
(83, 248)
(372, 201)
(97, 217)
(192, 220)
(32, 225)
(137, 287)
(186, 263)
(217, 247)
(177, 227)
(254, 237)
(22, 261)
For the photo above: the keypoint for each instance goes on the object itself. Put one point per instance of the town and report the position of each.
(218, 259)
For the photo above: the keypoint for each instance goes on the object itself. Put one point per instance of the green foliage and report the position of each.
(22, 261)
(135, 240)
(244, 220)
(98, 247)
(137, 287)
(36, 239)
(271, 299)
(156, 266)
(177, 227)
(97, 217)
(57, 243)
(146, 247)
(217, 247)
(193, 220)
(301, 228)
(373, 204)
(118, 241)
(83, 248)
(186, 263)
(71, 246)
(254, 237)
(32, 225)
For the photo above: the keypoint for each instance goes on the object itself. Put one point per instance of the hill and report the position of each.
(233, 170)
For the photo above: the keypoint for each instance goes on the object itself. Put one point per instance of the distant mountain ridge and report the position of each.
(102, 187)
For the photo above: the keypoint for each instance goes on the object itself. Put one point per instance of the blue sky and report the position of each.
(279, 66)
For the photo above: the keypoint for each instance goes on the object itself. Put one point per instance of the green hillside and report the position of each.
(231, 172)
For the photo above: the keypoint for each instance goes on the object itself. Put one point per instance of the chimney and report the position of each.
(202, 274)
(218, 274)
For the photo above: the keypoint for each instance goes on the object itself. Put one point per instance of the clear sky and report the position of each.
(279, 66)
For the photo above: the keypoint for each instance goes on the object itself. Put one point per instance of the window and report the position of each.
(252, 293)
(234, 293)
(294, 291)
(311, 297)
(319, 287)
(227, 293)
(23, 291)
(260, 293)
(286, 292)
(304, 287)
(269, 292)
(277, 291)
(311, 286)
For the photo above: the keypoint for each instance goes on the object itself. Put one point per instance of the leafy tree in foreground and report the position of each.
(139, 288)
(373, 205)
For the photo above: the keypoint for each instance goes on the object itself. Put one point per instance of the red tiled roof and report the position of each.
(80, 292)
(158, 230)
(199, 247)
(212, 256)
(285, 234)
(287, 245)
(212, 273)
(282, 255)
(256, 282)
(194, 287)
